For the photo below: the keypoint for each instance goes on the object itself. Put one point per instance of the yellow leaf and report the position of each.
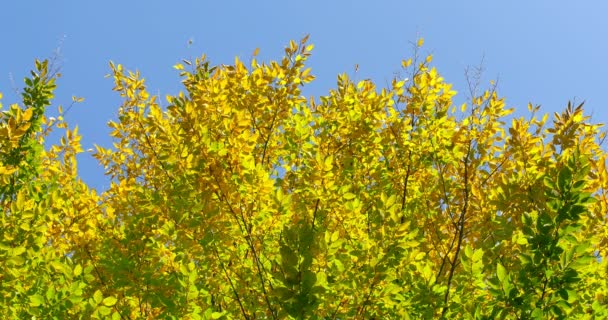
(77, 270)
(390, 201)
(104, 311)
(25, 226)
(327, 165)
(335, 236)
(109, 301)
(349, 196)
(98, 297)
(256, 52)
(420, 42)
(27, 115)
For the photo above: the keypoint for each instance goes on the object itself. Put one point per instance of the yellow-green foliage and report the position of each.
(245, 200)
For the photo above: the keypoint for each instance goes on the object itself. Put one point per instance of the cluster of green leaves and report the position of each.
(546, 282)
(242, 199)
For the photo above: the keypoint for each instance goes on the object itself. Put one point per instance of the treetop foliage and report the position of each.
(243, 199)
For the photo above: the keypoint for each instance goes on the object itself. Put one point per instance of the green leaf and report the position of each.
(17, 261)
(283, 293)
(501, 272)
(468, 251)
(308, 279)
(548, 182)
(59, 267)
(192, 277)
(576, 210)
(338, 264)
(582, 248)
(104, 311)
(36, 300)
(579, 185)
(288, 256)
(563, 179)
(75, 298)
(17, 251)
(50, 293)
(587, 199)
(537, 313)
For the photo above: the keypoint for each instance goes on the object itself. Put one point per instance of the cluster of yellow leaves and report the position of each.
(289, 202)
(244, 199)
(49, 217)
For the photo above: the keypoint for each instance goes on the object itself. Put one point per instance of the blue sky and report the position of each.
(544, 52)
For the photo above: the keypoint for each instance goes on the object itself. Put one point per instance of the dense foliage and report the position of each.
(242, 199)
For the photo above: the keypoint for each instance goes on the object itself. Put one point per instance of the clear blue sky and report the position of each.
(544, 52)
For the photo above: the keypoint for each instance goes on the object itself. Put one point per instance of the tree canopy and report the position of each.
(243, 199)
